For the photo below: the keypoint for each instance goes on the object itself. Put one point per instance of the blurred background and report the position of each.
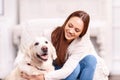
(104, 26)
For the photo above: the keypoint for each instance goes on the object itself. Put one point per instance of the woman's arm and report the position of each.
(66, 70)
(77, 52)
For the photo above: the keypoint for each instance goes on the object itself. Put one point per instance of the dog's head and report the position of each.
(42, 49)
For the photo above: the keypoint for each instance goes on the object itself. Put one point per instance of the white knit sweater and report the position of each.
(77, 50)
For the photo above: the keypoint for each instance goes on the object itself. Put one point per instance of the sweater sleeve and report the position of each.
(69, 66)
(66, 70)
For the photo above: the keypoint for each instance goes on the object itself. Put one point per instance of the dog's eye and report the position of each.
(36, 44)
(46, 42)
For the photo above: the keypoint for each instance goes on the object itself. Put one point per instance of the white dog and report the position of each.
(37, 59)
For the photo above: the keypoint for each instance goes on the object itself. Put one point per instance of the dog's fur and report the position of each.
(37, 59)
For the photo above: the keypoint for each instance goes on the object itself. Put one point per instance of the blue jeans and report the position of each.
(84, 70)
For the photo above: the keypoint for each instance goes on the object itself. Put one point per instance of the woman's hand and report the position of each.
(32, 77)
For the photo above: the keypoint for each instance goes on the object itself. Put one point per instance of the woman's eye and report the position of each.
(36, 44)
(77, 30)
(70, 25)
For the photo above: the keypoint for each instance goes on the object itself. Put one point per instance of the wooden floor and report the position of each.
(114, 77)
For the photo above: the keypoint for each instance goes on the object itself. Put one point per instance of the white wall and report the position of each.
(32, 9)
(116, 36)
(7, 20)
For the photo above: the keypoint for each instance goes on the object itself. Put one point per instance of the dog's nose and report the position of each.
(44, 49)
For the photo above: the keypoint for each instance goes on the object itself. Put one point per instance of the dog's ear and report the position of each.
(30, 50)
(53, 52)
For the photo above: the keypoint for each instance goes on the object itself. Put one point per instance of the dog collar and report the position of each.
(36, 67)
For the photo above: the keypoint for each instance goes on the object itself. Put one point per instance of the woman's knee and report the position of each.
(74, 74)
(90, 60)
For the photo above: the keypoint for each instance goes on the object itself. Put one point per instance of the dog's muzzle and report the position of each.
(44, 55)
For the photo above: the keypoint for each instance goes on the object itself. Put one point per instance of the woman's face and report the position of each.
(73, 28)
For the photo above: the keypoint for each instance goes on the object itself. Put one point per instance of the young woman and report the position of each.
(76, 57)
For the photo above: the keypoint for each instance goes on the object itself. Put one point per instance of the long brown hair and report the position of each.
(58, 36)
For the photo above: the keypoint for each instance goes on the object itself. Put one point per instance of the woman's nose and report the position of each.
(72, 31)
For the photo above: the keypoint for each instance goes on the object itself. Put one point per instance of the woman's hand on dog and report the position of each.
(32, 77)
